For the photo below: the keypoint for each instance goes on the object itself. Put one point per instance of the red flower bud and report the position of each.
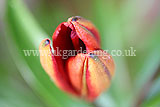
(87, 70)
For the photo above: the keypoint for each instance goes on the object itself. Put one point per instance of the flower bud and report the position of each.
(85, 73)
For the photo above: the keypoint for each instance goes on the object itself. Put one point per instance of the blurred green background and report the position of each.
(121, 23)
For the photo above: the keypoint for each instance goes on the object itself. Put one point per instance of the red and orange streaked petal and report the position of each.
(74, 67)
(98, 75)
(49, 64)
(86, 24)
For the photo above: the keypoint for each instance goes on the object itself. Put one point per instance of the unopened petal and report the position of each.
(86, 31)
(75, 68)
(99, 74)
(87, 24)
(50, 66)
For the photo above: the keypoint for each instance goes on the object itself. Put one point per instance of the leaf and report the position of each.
(145, 75)
(153, 98)
(24, 33)
(13, 89)
(152, 61)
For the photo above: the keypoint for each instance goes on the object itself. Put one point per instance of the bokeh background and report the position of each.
(121, 23)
